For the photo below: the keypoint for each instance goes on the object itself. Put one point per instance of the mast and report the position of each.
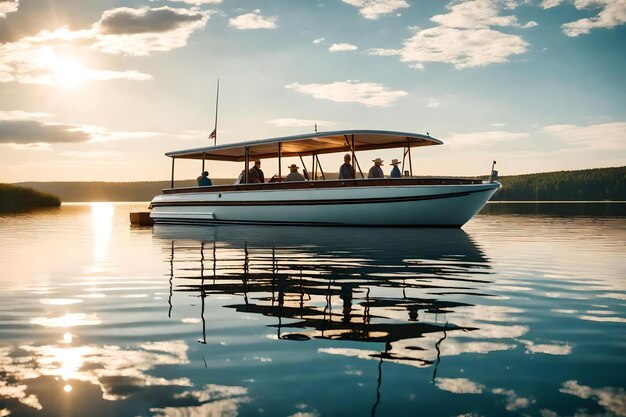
(217, 102)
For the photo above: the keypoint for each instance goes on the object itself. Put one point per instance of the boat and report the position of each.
(390, 202)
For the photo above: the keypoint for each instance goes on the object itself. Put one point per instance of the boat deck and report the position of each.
(299, 185)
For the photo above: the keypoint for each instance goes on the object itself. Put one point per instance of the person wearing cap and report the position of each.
(346, 172)
(204, 180)
(294, 175)
(255, 175)
(395, 171)
(376, 171)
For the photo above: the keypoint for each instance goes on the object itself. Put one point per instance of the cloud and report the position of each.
(613, 399)
(484, 138)
(369, 94)
(474, 14)
(125, 20)
(23, 132)
(612, 13)
(432, 103)
(598, 137)
(373, 9)
(299, 122)
(463, 38)
(253, 20)
(513, 401)
(548, 4)
(8, 6)
(143, 31)
(198, 2)
(17, 129)
(459, 385)
(557, 348)
(318, 41)
(342, 47)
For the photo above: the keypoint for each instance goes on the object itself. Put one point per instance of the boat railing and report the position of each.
(299, 185)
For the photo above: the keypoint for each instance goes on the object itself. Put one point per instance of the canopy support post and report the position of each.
(319, 164)
(246, 165)
(172, 183)
(280, 163)
(314, 168)
(306, 173)
(202, 161)
(408, 147)
(355, 161)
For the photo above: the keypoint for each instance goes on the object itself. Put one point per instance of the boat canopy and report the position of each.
(308, 144)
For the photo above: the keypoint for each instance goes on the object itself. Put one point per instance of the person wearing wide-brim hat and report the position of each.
(294, 175)
(376, 171)
(395, 171)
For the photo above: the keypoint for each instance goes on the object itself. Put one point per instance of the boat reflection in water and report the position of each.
(391, 286)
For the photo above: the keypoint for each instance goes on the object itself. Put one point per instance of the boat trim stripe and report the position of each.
(317, 202)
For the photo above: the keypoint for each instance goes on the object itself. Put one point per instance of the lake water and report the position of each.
(515, 314)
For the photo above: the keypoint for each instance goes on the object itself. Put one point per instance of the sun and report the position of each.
(68, 72)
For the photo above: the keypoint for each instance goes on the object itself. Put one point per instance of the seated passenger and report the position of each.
(395, 172)
(203, 180)
(376, 171)
(294, 175)
(346, 172)
(255, 175)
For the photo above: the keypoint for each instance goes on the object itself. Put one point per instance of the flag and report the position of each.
(213, 134)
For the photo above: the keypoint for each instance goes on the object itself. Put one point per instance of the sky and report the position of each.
(100, 90)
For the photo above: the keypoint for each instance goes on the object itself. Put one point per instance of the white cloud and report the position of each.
(253, 20)
(612, 13)
(318, 41)
(198, 2)
(299, 122)
(459, 385)
(369, 94)
(556, 348)
(465, 48)
(432, 103)
(342, 47)
(530, 24)
(513, 401)
(373, 9)
(598, 137)
(474, 14)
(613, 399)
(464, 37)
(484, 138)
(8, 6)
(548, 4)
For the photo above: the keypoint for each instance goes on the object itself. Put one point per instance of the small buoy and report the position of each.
(141, 218)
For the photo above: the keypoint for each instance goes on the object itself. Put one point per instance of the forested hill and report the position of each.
(110, 191)
(584, 185)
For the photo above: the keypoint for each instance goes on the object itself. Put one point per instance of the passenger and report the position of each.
(395, 172)
(376, 171)
(346, 172)
(203, 180)
(255, 175)
(294, 175)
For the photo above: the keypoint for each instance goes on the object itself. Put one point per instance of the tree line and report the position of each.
(597, 184)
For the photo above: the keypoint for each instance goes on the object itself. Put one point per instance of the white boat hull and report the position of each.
(406, 205)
